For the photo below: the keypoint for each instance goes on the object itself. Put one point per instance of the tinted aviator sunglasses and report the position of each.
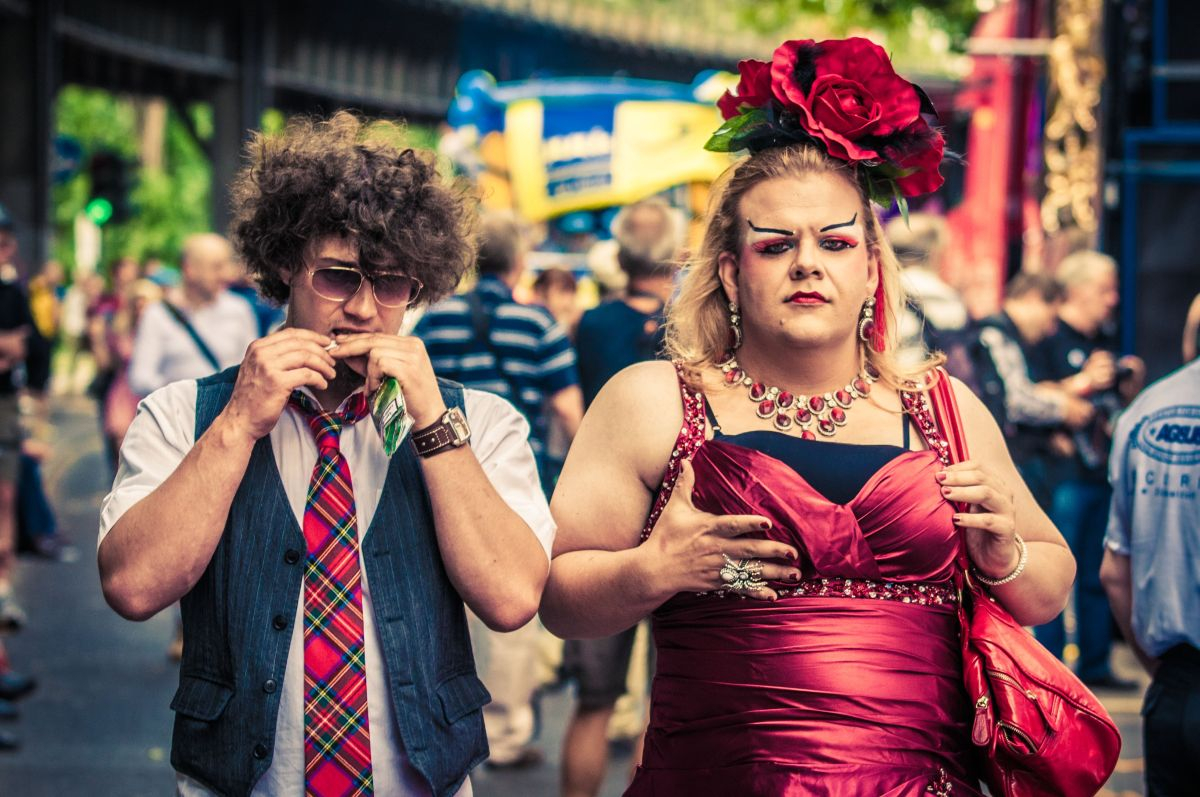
(340, 284)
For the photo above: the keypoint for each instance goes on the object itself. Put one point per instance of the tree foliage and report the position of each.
(169, 204)
(891, 17)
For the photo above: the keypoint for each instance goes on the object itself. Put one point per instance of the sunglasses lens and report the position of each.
(395, 290)
(338, 284)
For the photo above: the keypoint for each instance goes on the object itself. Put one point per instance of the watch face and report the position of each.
(458, 424)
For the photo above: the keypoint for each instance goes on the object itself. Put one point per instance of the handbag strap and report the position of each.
(181, 319)
(937, 418)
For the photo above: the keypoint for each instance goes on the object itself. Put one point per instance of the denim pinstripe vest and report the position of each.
(238, 626)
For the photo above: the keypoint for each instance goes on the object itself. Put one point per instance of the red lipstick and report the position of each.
(807, 297)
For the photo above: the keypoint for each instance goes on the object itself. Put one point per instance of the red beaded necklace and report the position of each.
(827, 412)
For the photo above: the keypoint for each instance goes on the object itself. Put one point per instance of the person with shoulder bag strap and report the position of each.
(1041, 731)
(182, 320)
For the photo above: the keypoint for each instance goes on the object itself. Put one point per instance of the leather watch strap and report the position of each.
(450, 431)
(433, 439)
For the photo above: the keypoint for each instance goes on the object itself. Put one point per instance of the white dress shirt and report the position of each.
(161, 435)
(163, 351)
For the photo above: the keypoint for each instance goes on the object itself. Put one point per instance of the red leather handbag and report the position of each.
(1042, 732)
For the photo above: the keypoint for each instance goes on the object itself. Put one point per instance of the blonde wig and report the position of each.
(698, 332)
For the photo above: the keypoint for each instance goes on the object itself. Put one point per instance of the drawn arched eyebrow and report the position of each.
(842, 224)
(772, 229)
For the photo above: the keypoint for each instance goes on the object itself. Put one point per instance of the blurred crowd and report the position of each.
(547, 339)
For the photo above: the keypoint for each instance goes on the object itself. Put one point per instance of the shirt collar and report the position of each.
(306, 390)
(491, 284)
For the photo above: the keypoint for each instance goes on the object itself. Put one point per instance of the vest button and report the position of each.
(260, 751)
(269, 685)
(292, 556)
(280, 622)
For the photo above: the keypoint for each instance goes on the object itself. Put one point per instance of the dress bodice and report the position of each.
(898, 527)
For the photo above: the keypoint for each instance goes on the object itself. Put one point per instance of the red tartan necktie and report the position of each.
(337, 742)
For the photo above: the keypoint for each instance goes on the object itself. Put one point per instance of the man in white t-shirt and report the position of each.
(323, 582)
(199, 328)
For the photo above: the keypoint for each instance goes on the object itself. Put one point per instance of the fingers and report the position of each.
(761, 594)
(963, 474)
(363, 343)
(774, 572)
(985, 521)
(295, 334)
(268, 351)
(306, 358)
(684, 484)
(981, 494)
(737, 525)
(305, 377)
(760, 549)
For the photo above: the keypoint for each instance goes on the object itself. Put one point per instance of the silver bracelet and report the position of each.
(1018, 570)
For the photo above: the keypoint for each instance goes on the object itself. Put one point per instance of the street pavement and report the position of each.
(99, 724)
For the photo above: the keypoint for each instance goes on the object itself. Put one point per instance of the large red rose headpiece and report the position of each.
(844, 96)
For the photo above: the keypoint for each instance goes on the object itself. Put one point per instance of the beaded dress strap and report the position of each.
(691, 435)
(915, 400)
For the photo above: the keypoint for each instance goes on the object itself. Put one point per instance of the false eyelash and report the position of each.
(761, 247)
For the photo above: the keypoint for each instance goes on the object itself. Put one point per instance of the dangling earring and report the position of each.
(735, 323)
(879, 326)
(866, 323)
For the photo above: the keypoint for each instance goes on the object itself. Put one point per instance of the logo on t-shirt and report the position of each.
(1171, 435)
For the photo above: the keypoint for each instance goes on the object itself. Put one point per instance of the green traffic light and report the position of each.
(99, 210)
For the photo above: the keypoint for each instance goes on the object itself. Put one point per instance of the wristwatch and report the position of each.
(450, 431)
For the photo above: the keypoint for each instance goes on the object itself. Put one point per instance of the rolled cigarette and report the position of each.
(333, 344)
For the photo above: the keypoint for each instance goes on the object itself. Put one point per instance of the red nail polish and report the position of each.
(764, 526)
(945, 491)
(941, 477)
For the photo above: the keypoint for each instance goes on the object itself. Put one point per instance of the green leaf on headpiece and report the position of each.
(902, 203)
(722, 140)
(883, 190)
(891, 170)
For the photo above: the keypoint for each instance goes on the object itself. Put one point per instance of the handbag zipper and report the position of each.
(1012, 682)
(1017, 731)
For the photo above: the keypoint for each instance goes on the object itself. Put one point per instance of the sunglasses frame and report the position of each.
(364, 277)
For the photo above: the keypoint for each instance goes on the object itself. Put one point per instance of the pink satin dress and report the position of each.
(851, 683)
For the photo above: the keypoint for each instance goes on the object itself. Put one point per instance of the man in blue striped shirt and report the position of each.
(487, 341)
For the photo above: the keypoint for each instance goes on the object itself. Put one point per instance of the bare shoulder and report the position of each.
(641, 390)
(637, 416)
(984, 437)
(970, 406)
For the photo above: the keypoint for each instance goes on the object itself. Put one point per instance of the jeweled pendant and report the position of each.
(803, 415)
(816, 404)
(807, 435)
(838, 416)
(766, 409)
(826, 427)
(783, 421)
(733, 376)
(785, 399)
(758, 391)
(843, 399)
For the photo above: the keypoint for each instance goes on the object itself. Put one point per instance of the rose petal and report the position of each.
(866, 63)
(925, 156)
(753, 90)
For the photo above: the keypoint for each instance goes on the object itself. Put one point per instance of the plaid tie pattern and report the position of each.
(337, 744)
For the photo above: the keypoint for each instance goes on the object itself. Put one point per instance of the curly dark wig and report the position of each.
(348, 176)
